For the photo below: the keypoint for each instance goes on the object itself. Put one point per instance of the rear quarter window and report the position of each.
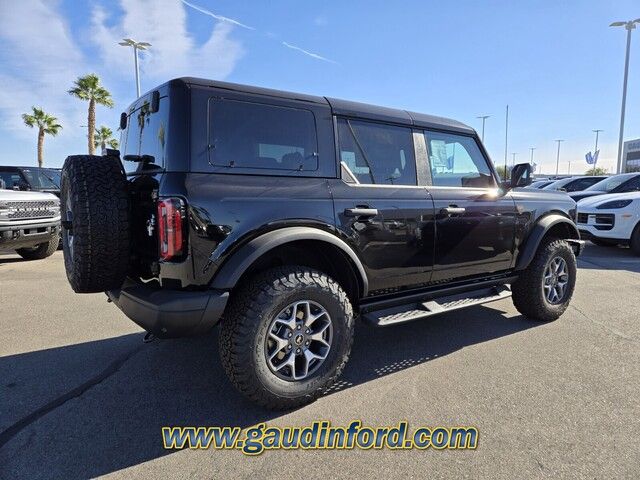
(260, 136)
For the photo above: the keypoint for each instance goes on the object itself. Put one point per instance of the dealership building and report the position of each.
(631, 156)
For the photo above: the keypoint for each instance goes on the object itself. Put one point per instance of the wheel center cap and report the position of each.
(299, 340)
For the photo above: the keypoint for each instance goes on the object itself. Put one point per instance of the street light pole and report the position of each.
(514, 157)
(127, 42)
(596, 147)
(630, 25)
(506, 141)
(558, 157)
(532, 149)
(484, 118)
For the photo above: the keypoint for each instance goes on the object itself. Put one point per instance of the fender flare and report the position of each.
(538, 232)
(231, 271)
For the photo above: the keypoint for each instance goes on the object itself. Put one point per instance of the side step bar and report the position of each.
(416, 311)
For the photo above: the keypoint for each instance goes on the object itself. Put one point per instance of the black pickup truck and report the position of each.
(285, 217)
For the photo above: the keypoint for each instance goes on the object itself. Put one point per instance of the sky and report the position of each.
(557, 64)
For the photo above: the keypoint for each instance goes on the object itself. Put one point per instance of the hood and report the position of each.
(585, 193)
(28, 196)
(597, 200)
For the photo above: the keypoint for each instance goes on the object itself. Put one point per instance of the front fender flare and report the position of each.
(231, 271)
(537, 234)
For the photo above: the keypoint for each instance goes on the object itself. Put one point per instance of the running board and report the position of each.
(416, 311)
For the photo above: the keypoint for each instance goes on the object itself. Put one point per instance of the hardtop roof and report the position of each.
(341, 107)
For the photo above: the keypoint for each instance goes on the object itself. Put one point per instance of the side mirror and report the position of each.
(521, 175)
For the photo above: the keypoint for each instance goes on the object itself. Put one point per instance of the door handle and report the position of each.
(453, 210)
(360, 212)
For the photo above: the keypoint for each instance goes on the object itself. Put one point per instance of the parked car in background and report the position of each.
(31, 178)
(611, 219)
(29, 223)
(574, 184)
(624, 182)
(540, 184)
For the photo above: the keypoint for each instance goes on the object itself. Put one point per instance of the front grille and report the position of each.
(603, 221)
(36, 209)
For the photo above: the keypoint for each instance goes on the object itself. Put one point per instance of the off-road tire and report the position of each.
(94, 192)
(41, 251)
(528, 292)
(247, 320)
(634, 242)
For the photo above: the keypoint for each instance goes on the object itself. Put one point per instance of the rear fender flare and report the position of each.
(231, 271)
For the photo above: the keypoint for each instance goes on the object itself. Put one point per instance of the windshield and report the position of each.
(610, 183)
(39, 180)
(54, 175)
(558, 184)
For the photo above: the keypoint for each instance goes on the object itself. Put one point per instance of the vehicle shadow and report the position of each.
(609, 258)
(116, 423)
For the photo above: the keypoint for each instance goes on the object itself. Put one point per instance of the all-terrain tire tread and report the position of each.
(245, 307)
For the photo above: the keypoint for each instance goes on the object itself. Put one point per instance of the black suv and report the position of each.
(284, 217)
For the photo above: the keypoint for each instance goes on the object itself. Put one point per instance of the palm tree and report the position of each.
(89, 88)
(47, 125)
(103, 137)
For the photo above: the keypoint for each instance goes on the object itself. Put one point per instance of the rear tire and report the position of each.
(96, 221)
(634, 243)
(540, 281)
(254, 315)
(41, 251)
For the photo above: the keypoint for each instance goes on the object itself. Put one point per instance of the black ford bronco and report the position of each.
(284, 217)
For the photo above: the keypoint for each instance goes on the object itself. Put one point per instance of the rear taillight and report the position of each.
(171, 236)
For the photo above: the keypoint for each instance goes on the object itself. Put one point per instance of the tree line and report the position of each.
(88, 89)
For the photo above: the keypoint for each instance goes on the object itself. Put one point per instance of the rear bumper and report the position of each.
(25, 236)
(170, 313)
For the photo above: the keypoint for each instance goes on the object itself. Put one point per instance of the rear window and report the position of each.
(376, 153)
(146, 134)
(254, 135)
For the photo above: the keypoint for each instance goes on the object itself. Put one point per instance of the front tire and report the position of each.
(41, 251)
(286, 336)
(544, 289)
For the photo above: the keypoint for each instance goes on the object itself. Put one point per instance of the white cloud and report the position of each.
(308, 53)
(42, 63)
(173, 50)
(216, 16)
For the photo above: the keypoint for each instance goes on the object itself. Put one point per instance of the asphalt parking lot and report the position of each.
(82, 396)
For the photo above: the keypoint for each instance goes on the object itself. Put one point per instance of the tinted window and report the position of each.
(377, 154)
(10, 179)
(146, 134)
(632, 185)
(253, 135)
(456, 161)
(581, 184)
(38, 179)
(610, 183)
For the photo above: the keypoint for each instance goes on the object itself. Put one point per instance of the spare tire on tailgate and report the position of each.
(96, 222)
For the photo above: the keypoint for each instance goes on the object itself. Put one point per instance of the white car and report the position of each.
(611, 219)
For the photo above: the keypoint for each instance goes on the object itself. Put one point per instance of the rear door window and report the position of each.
(255, 135)
(376, 153)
